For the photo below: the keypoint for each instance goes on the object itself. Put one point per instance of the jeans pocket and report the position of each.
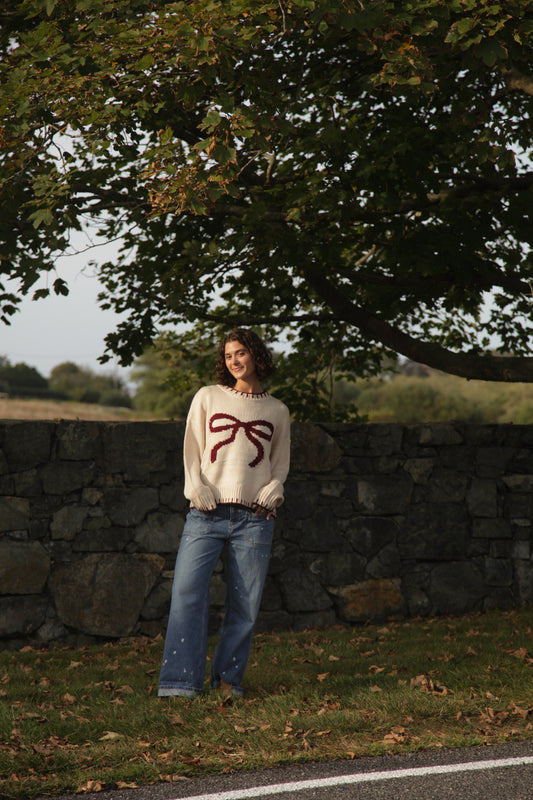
(198, 522)
(259, 530)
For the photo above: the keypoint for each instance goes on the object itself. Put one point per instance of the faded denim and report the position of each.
(248, 537)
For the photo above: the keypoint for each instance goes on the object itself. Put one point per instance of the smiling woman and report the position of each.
(236, 458)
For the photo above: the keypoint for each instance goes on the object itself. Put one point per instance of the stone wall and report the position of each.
(379, 521)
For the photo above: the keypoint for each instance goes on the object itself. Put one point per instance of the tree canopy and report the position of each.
(355, 176)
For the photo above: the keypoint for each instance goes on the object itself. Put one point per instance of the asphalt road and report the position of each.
(501, 772)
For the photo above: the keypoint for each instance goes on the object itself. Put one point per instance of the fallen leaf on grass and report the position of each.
(90, 786)
(322, 676)
(397, 735)
(426, 684)
(522, 712)
(375, 688)
(111, 736)
(176, 719)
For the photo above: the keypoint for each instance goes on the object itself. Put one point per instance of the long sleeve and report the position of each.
(199, 493)
(271, 496)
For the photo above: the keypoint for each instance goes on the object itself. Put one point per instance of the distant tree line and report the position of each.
(167, 375)
(67, 381)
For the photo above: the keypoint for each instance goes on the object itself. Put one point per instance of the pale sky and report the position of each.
(45, 333)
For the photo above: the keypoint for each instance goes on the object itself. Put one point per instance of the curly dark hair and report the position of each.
(264, 365)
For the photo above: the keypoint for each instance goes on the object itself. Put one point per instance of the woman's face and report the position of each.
(239, 361)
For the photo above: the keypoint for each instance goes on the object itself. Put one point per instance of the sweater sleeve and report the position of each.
(271, 495)
(195, 489)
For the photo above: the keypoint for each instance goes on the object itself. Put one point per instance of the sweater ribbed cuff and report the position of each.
(270, 496)
(203, 499)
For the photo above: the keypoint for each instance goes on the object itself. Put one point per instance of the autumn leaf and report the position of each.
(322, 676)
(111, 736)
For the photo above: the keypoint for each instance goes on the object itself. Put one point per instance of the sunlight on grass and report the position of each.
(88, 718)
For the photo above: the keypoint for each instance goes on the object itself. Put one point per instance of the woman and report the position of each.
(236, 459)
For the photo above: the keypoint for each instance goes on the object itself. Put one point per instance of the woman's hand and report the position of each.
(262, 512)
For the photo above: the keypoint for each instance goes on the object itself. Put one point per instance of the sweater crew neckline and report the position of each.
(247, 395)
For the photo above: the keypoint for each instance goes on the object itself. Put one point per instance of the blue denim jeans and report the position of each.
(248, 537)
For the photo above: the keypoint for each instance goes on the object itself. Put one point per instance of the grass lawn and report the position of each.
(86, 719)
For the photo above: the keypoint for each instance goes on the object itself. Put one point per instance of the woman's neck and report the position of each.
(248, 387)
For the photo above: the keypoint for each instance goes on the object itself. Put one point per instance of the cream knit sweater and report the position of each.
(236, 449)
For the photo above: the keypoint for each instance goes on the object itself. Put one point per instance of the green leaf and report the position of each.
(42, 215)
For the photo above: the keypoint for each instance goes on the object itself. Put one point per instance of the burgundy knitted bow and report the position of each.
(254, 431)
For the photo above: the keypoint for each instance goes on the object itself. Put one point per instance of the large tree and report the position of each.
(352, 173)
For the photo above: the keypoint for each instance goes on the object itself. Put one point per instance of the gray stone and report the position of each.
(78, 441)
(67, 522)
(139, 448)
(21, 616)
(14, 514)
(369, 535)
(302, 495)
(312, 449)
(419, 469)
(343, 568)
(323, 533)
(446, 486)
(521, 549)
(271, 599)
(384, 494)
(435, 532)
(301, 591)
(519, 483)
(372, 599)
(385, 564)
(102, 540)
(157, 604)
(61, 477)
(498, 572)
(482, 498)
(524, 581)
(384, 439)
(492, 529)
(160, 532)
(24, 567)
(103, 595)
(128, 507)
(439, 434)
(172, 496)
(27, 483)
(456, 587)
(491, 462)
(27, 444)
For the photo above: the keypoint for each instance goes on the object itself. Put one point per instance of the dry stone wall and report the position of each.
(379, 521)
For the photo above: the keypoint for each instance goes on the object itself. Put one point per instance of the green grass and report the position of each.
(89, 718)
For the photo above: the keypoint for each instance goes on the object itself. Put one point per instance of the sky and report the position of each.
(45, 333)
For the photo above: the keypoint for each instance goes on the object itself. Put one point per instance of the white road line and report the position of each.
(362, 777)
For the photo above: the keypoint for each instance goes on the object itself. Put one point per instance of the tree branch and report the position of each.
(466, 365)
(516, 81)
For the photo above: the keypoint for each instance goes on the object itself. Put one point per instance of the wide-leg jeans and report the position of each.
(249, 538)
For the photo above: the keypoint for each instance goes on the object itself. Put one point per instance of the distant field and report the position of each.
(13, 408)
